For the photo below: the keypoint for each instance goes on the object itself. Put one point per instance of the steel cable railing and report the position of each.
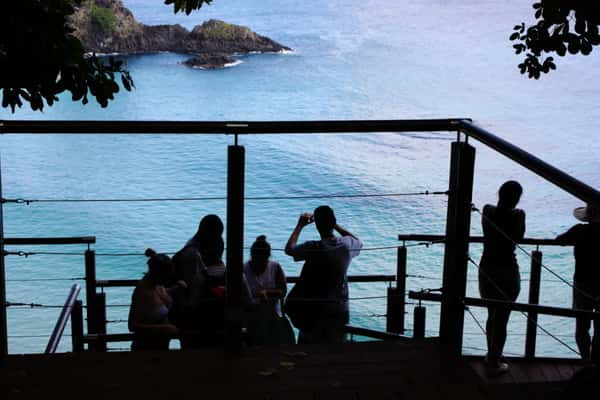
(27, 254)
(529, 319)
(212, 198)
(497, 228)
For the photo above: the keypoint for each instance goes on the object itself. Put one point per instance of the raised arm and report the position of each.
(520, 224)
(569, 237)
(303, 220)
(343, 231)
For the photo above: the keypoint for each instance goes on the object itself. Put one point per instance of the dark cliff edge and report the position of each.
(107, 27)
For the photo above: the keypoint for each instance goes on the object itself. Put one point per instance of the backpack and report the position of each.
(319, 292)
(307, 301)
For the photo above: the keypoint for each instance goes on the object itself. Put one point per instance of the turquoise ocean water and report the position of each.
(352, 60)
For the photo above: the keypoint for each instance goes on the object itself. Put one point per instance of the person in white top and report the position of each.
(265, 278)
(265, 281)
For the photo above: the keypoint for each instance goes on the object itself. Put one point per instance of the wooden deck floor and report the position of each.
(540, 370)
(359, 371)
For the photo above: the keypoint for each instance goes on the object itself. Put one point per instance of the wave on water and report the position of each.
(228, 65)
(90, 54)
(232, 64)
(134, 53)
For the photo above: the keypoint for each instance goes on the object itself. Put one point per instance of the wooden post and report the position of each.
(458, 224)
(98, 324)
(3, 322)
(77, 327)
(396, 305)
(235, 246)
(90, 288)
(419, 322)
(534, 298)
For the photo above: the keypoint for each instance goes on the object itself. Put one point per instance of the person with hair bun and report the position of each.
(150, 304)
(266, 284)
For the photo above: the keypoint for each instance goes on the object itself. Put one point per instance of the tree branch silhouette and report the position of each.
(40, 57)
(561, 26)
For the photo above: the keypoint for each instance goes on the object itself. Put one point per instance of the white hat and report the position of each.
(587, 214)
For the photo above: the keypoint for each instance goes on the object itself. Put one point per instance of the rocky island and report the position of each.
(107, 26)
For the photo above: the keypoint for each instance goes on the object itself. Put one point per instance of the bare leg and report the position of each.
(582, 337)
(596, 341)
(496, 333)
(493, 355)
(501, 322)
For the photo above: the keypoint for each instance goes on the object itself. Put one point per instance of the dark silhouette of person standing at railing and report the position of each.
(199, 310)
(327, 260)
(499, 278)
(150, 304)
(586, 280)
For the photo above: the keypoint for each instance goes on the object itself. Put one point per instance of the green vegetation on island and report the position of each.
(103, 18)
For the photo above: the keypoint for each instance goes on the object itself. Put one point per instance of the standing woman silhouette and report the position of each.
(499, 278)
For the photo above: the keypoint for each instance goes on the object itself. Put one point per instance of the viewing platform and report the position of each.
(353, 371)
(388, 366)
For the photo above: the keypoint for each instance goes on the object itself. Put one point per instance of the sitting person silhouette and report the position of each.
(586, 279)
(150, 304)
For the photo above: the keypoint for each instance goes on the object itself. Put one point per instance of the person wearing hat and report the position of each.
(585, 239)
(327, 260)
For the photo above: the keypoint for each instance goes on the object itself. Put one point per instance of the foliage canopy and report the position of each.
(40, 57)
(561, 26)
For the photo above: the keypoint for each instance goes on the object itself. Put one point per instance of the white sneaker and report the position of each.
(497, 369)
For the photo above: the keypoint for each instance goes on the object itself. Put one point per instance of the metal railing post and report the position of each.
(534, 298)
(396, 305)
(90, 288)
(64, 316)
(458, 223)
(77, 327)
(3, 322)
(419, 322)
(235, 246)
(98, 325)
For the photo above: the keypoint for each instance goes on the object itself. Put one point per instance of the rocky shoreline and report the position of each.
(108, 27)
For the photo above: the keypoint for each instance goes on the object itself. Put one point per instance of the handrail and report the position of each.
(371, 333)
(62, 320)
(478, 239)
(529, 161)
(534, 164)
(229, 127)
(290, 279)
(525, 307)
(50, 241)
